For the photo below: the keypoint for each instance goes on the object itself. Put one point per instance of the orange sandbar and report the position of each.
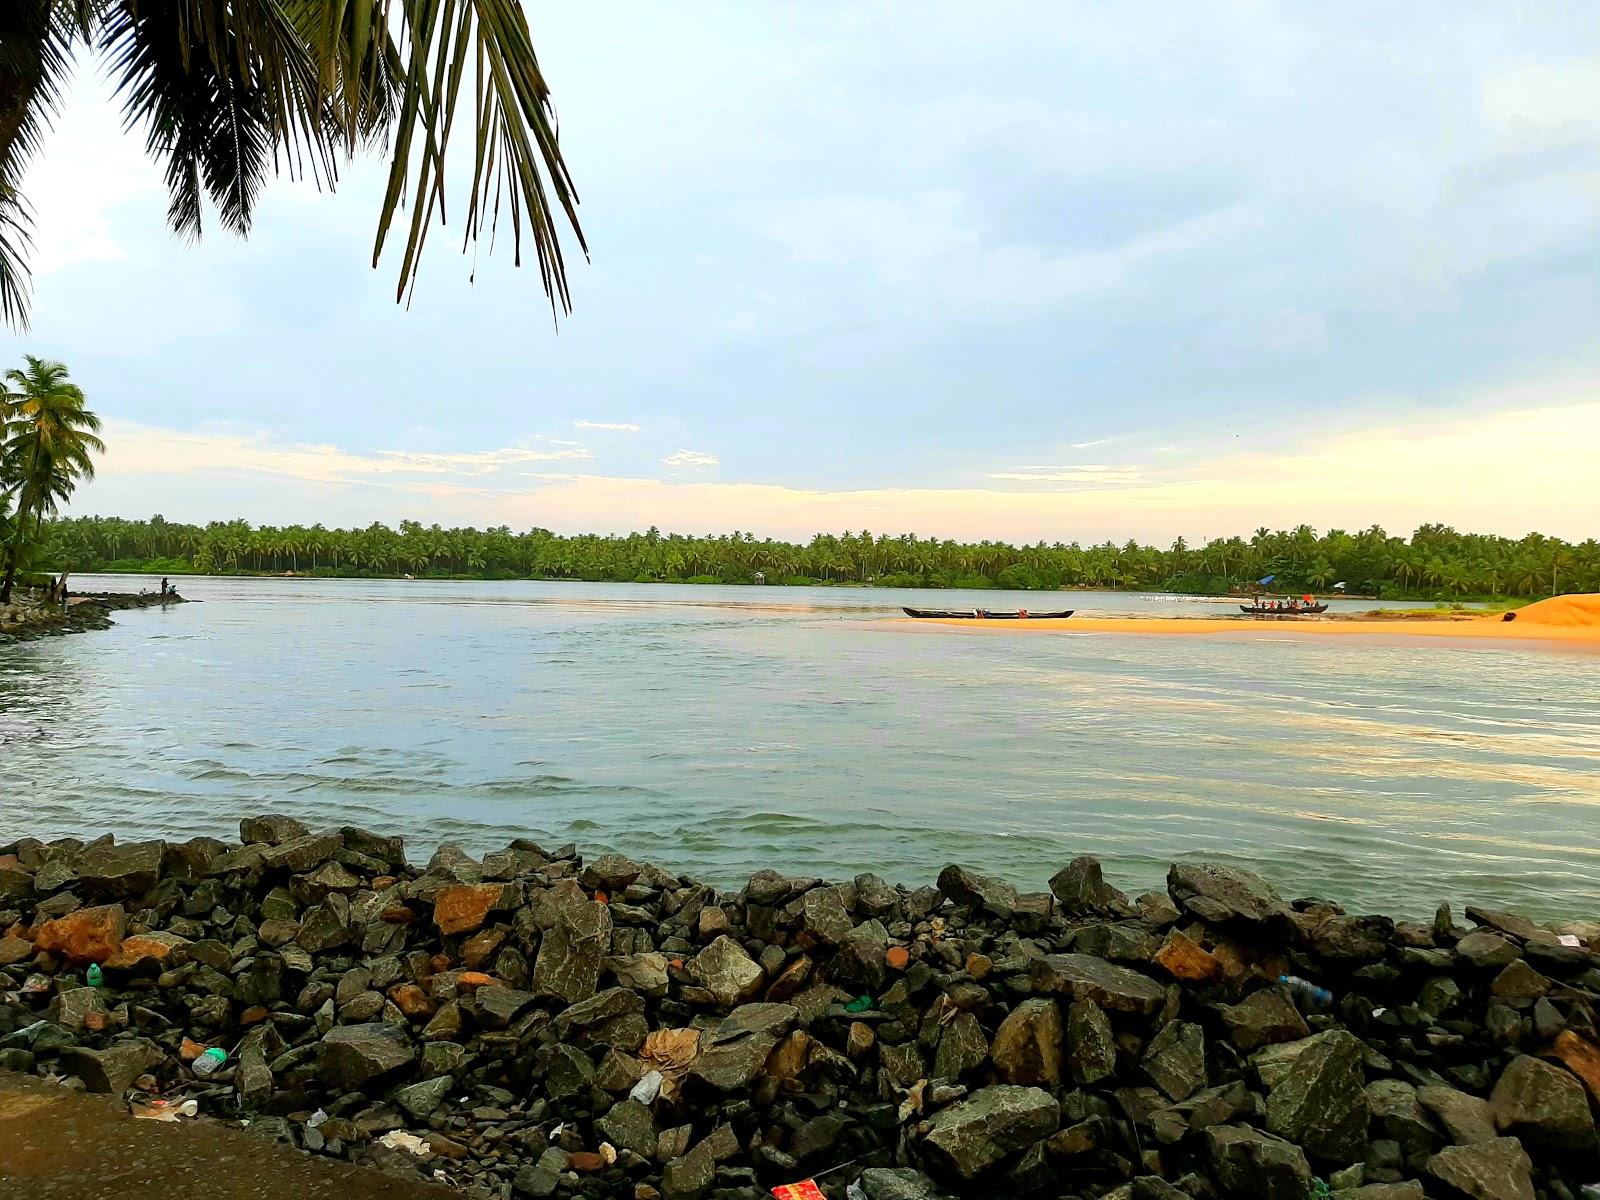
(1485, 627)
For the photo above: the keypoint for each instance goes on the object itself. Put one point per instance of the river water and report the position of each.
(720, 730)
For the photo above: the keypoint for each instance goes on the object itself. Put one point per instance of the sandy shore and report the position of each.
(1483, 629)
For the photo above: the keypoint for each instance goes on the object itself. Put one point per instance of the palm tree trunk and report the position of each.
(11, 570)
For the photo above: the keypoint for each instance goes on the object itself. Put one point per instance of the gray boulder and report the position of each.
(1467, 1120)
(112, 871)
(972, 890)
(1255, 1165)
(272, 829)
(1543, 1106)
(1027, 1046)
(540, 1179)
(1081, 890)
(1321, 1103)
(975, 1134)
(629, 1126)
(1264, 1018)
(824, 916)
(1497, 1170)
(1175, 1060)
(1396, 1110)
(113, 1069)
(571, 953)
(1218, 894)
(898, 1183)
(422, 1099)
(1091, 1043)
(726, 971)
(353, 1055)
(1084, 977)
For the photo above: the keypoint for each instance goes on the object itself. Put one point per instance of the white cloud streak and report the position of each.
(689, 459)
(607, 426)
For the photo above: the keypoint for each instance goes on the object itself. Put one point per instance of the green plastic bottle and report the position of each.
(94, 975)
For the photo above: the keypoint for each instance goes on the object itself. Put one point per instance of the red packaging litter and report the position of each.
(806, 1189)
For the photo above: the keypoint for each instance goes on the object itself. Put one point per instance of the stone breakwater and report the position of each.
(535, 1025)
(28, 617)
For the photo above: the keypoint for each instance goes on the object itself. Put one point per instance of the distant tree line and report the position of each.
(1436, 561)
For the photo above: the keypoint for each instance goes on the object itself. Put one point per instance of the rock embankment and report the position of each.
(28, 617)
(534, 1025)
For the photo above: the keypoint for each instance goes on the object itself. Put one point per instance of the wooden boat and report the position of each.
(1296, 610)
(983, 614)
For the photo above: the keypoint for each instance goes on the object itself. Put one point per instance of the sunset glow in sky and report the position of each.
(1072, 271)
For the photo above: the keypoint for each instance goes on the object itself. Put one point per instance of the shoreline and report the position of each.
(1487, 629)
(540, 1025)
(846, 584)
(85, 613)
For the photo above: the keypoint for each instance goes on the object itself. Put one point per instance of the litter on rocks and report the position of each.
(647, 1089)
(164, 1110)
(409, 1142)
(806, 1189)
(316, 1119)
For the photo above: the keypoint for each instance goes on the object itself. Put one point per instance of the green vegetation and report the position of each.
(1436, 562)
(234, 93)
(46, 441)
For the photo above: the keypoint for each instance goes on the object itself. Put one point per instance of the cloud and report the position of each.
(140, 450)
(1096, 473)
(608, 426)
(1527, 454)
(690, 458)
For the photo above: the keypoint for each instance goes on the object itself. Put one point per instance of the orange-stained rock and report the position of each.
(469, 980)
(1186, 959)
(189, 1050)
(1581, 1057)
(412, 1001)
(96, 1022)
(1240, 962)
(253, 1015)
(383, 883)
(897, 957)
(790, 1058)
(979, 965)
(586, 1162)
(398, 914)
(90, 935)
(14, 950)
(154, 947)
(444, 1147)
(462, 909)
(439, 964)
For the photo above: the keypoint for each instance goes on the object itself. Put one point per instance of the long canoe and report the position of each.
(982, 614)
(1298, 610)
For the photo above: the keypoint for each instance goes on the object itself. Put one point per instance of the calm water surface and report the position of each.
(718, 730)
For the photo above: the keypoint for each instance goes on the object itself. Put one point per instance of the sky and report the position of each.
(1071, 271)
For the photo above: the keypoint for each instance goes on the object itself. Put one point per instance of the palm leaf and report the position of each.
(35, 55)
(517, 155)
(221, 88)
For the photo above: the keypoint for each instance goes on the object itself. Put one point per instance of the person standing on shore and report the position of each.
(163, 586)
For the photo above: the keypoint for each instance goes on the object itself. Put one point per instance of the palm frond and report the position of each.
(16, 239)
(222, 88)
(35, 56)
(517, 155)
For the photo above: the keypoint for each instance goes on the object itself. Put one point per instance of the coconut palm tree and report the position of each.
(46, 447)
(231, 93)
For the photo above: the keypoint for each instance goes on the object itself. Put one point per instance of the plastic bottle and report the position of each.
(1306, 992)
(210, 1062)
(94, 975)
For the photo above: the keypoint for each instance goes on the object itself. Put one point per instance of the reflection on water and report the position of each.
(718, 730)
